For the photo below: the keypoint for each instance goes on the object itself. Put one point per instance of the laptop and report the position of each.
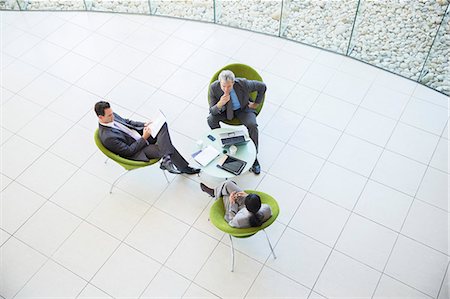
(233, 138)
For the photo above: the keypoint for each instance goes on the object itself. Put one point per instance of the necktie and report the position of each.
(125, 129)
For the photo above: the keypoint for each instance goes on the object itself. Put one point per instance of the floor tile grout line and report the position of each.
(96, 62)
(353, 171)
(191, 227)
(410, 205)
(441, 288)
(47, 260)
(369, 177)
(227, 245)
(350, 214)
(285, 145)
(119, 82)
(123, 241)
(363, 108)
(168, 78)
(361, 215)
(82, 220)
(51, 256)
(48, 151)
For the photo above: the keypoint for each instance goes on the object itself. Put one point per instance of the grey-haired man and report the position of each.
(229, 97)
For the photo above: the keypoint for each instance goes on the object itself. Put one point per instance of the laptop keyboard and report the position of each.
(232, 140)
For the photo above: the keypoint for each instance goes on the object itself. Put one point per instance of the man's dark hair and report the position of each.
(100, 108)
(253, 204)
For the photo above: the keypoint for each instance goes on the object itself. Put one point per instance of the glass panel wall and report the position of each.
(52, 5)
(396, 35)
(257, 15)
(436, 72)
(324, 24)
(407, 37)
(202, 10)
(129, 6)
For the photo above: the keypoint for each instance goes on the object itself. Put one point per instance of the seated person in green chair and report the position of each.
(229, 98)
(241, 209)
(132, 140)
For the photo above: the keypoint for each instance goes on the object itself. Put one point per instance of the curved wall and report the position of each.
(408, 38)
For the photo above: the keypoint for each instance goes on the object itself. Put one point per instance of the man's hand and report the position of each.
(233, 196)
(146, 133)
(252, 105)
(241, 194)
(223, 100)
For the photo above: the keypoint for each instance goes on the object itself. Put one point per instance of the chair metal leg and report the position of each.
(270, 244)
(120, 176)
(232, 254)
(165, 175)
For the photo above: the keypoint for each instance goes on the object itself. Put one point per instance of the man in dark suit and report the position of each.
(132, 140)
(229, 97)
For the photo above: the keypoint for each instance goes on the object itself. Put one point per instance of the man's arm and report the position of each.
(259, 87)
(215, 107)
(135, 123)
(129, 121)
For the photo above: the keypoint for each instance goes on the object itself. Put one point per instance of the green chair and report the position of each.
(125, 163)
(241, 71)
(217, 212)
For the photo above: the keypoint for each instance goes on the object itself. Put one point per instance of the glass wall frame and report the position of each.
(122, 6)
(70, 5)
(396, 35)
(9, 5)
(199, 10)
(436, 69)
(323, 24)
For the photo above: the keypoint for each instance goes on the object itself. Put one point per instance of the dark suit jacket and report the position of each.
(121, 143)
(243, 88)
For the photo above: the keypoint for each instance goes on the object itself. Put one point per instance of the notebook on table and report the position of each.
(206, 155)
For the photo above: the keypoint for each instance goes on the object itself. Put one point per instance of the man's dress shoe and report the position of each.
(256, 168)
(190, 170)
(168, 165)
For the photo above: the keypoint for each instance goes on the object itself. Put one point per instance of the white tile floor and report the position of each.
(356, 157)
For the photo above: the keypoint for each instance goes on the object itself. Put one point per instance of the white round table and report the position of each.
(245, 152)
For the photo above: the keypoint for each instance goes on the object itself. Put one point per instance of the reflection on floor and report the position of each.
(356, 157)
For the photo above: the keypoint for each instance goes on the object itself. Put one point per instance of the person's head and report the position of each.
(104, 112)
(226, 79)
(253, 204)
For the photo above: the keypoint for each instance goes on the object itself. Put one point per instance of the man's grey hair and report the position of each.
(226, 76)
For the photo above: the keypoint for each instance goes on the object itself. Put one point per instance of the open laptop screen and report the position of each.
(231, 138)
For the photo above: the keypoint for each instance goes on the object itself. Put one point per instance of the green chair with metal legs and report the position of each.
(240, 71)
(216, 216)
(125, 163)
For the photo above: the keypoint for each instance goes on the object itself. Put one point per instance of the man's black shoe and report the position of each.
(206, 189)
(190, 170)
(256, 168)
(168, 165)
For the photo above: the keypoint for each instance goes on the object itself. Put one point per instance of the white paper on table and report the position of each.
(156, 123)
(206, 155)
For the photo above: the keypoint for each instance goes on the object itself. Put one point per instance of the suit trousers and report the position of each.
(162, 146)
(247, 118)
(224, 190)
